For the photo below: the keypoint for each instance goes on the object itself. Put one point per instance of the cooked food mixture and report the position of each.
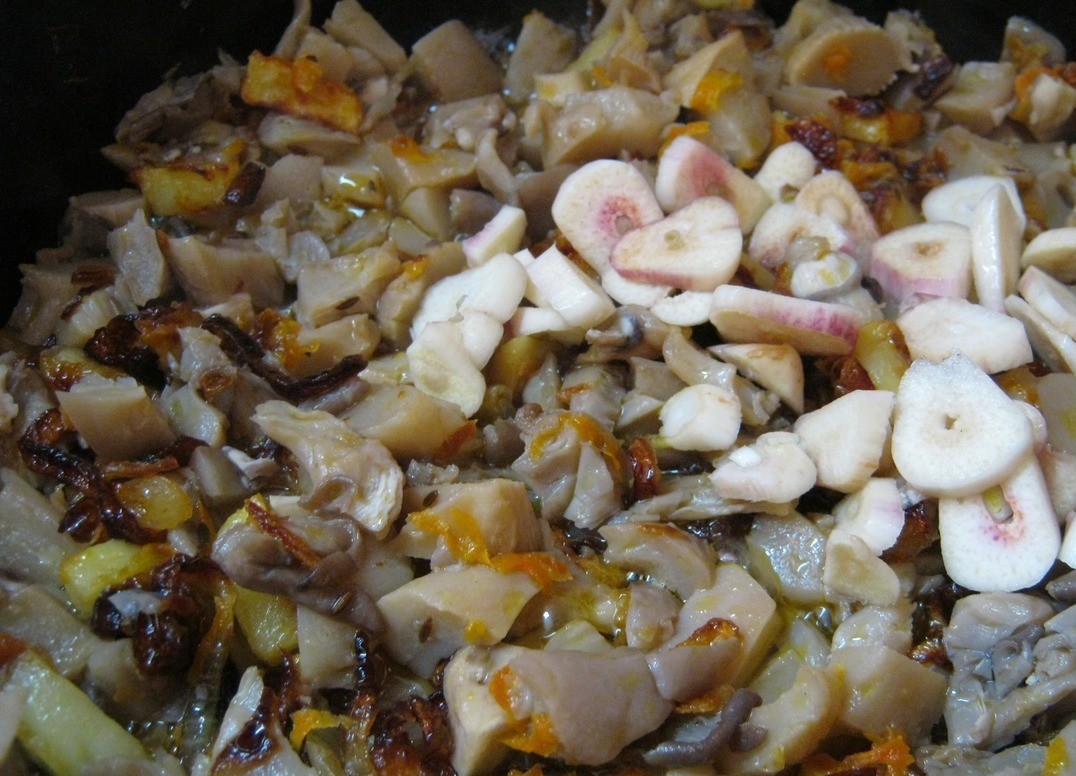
(682, 394)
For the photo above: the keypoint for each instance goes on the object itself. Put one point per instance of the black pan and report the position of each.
(69, 70)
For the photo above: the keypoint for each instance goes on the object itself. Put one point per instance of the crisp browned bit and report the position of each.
(273, 525)
(119, 343)
(646, 476)
(241, 348)
(246, 185)
(819, 139)
(255, 741)
(932, 76)
(394, 749)
(920, 531)
(98, 507)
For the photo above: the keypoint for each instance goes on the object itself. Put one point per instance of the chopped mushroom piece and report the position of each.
(345, 474)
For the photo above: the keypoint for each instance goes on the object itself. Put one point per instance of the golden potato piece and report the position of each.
(300, 89)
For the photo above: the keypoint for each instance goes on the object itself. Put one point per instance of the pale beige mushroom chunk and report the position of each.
(848, 53)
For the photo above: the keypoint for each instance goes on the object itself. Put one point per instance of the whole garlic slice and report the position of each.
(831, 194)
(600, 202)
(955, 432)
(689, 170)
(923, 261)
(696, 248)
(785, 222)
(788, 167)
(1001, 542)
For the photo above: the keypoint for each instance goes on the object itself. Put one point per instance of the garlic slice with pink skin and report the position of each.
(1003, 540)
(941, 327)
(502, 234)
(743, 314)
(600, 202)
(923, 261)
(697, 248)
(955, 432)
(689, 170)
(996, 240)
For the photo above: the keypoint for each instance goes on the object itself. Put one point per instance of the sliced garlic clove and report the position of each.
(955, 432)
(996, 240)
(939, 328)
(689, 170)
(1004, 540)
(599, 203)
(923, 261)
(697, 248)
(701, 417)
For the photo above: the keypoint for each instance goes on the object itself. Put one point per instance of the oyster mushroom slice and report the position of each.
(955, 432)
(346, 474)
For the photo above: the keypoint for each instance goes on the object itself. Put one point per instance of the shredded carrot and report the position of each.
(691, 129)
(542, 568)
(714, 629)
(1057, 758)
(712, 87)
(407, 148)
(305, 721)
(452, 446)
(537, 737)
(459, 530)
(837, 63)
(889, 756)
(590, 432)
